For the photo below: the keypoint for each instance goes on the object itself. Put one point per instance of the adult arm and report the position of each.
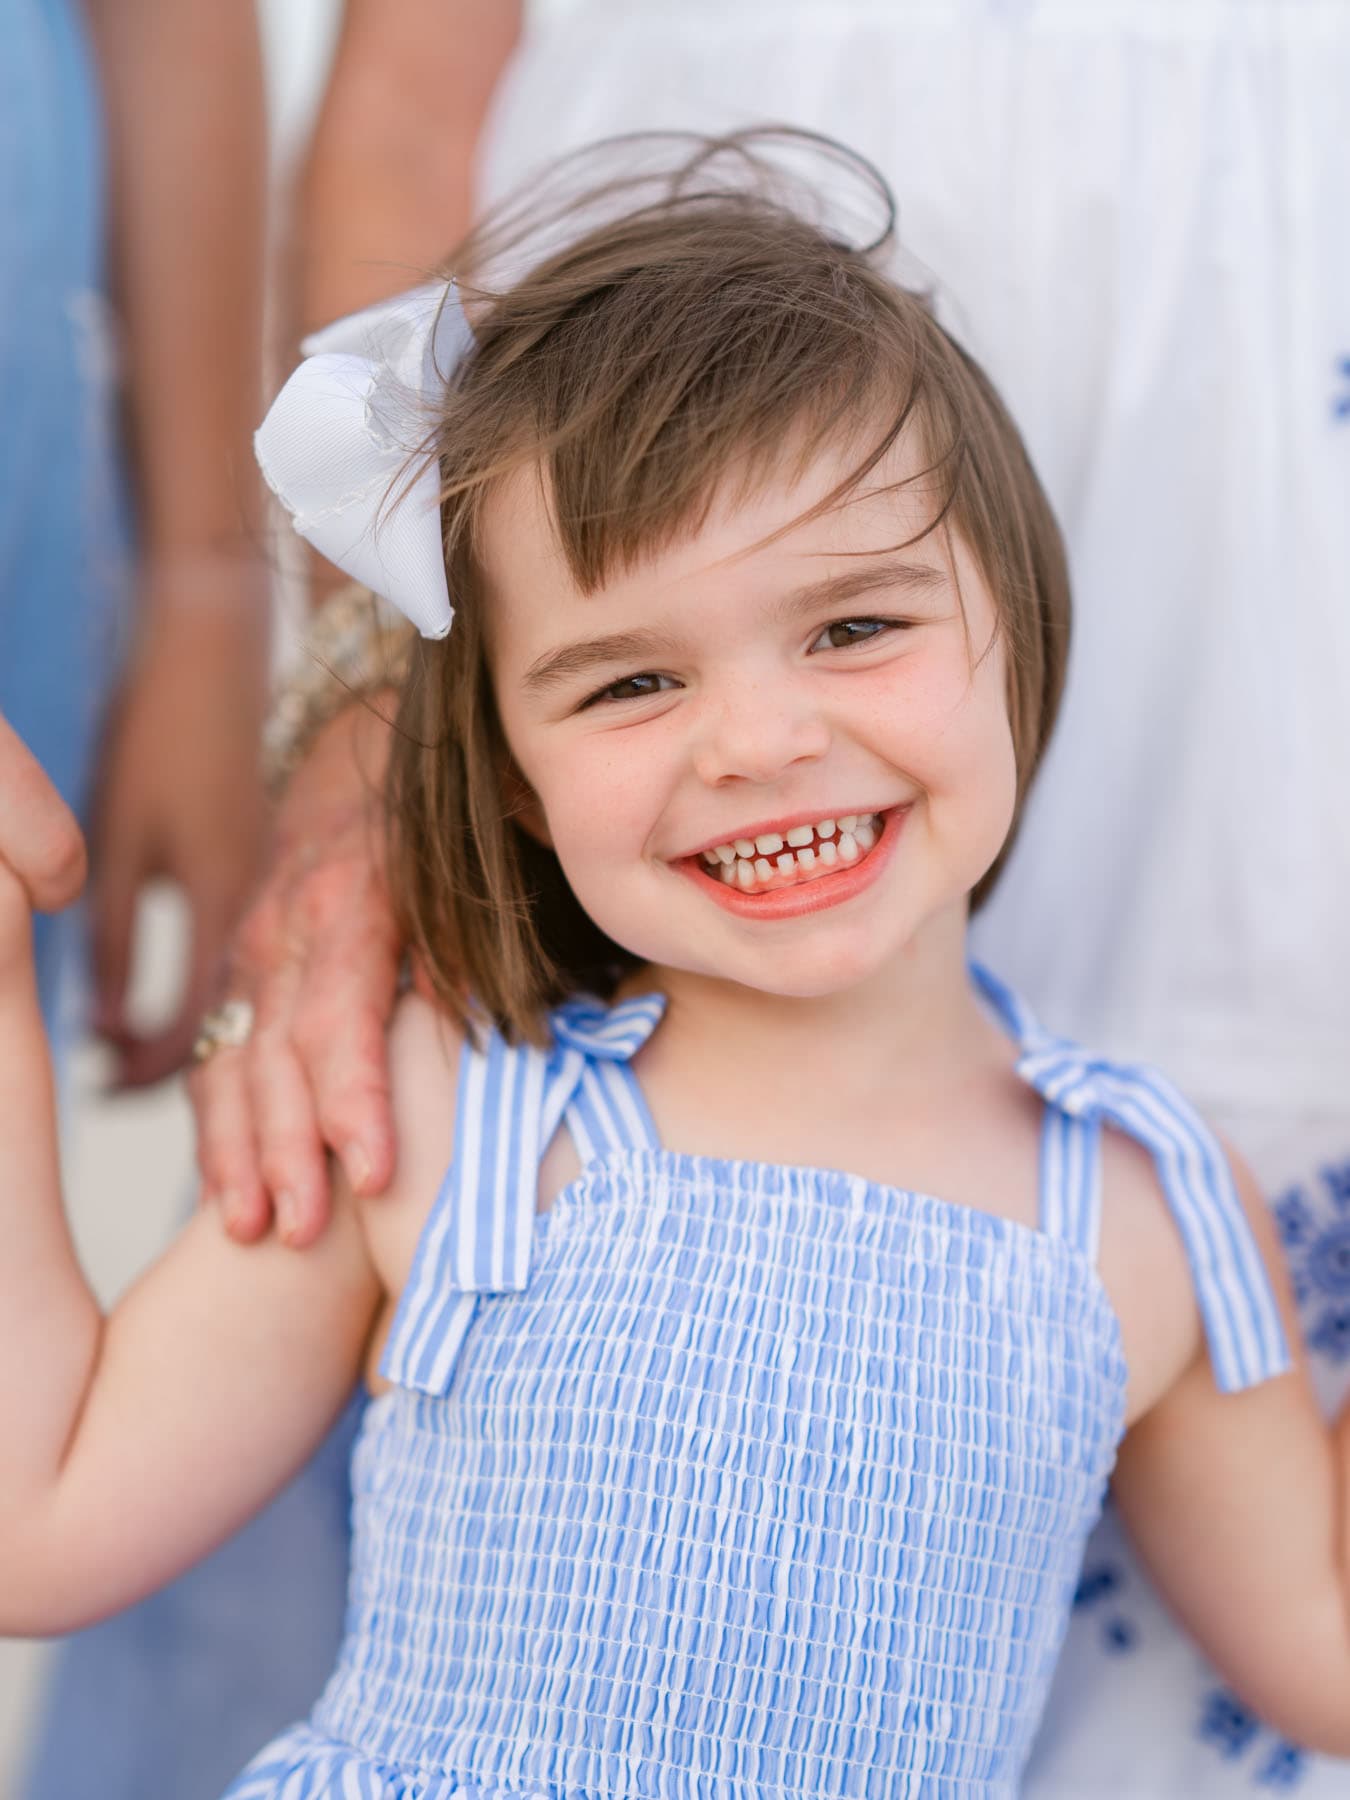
(385, 190)
(387, 186)
(131, 1445)
(179, 794)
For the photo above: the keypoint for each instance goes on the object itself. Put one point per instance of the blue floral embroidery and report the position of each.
(1314, 1226)
(1331, 1335)
(1294, 1218)
(1285, 1767)
(1094, 1584)
(1329, 1260)
(1119, 1635)
(1233, 1729)
(1227, 1724)
(1336, 1177)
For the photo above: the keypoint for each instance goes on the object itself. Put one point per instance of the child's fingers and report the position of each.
(29, 1169)
(39, 838)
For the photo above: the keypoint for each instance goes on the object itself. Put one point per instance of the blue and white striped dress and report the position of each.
(723, 1480)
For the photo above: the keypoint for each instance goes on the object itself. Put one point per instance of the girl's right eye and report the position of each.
(632, 687)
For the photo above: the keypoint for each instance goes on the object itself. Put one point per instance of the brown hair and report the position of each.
(659, 355)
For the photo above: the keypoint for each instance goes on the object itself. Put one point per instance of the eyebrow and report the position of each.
(555, 667)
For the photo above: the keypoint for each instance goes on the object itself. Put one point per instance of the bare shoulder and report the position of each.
(1146, 1272)
(424, 1053)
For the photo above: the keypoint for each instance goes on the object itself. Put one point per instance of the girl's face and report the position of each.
(784, 764)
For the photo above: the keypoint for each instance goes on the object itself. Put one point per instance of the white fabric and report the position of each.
(1136, 212)
(340, 447)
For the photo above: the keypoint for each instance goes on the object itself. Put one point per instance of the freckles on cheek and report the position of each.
(595, 808)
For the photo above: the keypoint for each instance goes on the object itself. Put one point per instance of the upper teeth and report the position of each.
(805, 851)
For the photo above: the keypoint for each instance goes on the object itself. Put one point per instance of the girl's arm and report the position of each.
(1240, 1507)
(132, 1445)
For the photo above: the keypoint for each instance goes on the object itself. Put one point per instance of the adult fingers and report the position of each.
(219, 1091)
(227, 1151)
(117, 881)
(343, 1005)
(39, 838)
(290, 1148)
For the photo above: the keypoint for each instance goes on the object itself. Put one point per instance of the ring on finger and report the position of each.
(224, 1027)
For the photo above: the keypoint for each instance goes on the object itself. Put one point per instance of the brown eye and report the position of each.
(632, 687)
(844, 632)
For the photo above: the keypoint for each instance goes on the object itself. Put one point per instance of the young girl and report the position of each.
(746, 1388)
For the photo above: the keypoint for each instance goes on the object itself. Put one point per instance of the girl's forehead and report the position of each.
(759, 529)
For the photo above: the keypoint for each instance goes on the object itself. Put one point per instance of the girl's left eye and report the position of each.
(842, 633)
(632, 687)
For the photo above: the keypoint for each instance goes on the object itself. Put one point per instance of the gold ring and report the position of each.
(225, 1027)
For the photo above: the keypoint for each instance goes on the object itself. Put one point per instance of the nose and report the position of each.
(757, 734)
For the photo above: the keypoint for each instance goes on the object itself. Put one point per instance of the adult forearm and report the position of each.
(387, 186)
(184, 102)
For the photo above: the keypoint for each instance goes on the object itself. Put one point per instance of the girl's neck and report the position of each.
(920, 1014)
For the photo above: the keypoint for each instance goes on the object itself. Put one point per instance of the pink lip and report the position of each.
(807, 896)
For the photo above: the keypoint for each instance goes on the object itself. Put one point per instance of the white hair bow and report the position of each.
(341, 433)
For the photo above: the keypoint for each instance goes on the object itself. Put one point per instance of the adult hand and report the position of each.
(39, 839)
(180, 795)
(317, 956)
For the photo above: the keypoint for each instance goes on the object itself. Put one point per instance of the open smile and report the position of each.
(797, 868)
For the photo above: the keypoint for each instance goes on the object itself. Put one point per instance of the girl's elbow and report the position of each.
(42, 1592)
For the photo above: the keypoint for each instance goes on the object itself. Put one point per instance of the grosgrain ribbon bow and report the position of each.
(339, 447)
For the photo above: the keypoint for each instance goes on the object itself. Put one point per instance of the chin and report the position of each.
(814, 974)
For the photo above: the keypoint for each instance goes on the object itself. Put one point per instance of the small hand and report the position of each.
(39, 839)
(180, 797)
(317, 955)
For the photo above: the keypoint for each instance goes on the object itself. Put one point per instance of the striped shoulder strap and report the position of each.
(511, 1101)
(1242, 1321)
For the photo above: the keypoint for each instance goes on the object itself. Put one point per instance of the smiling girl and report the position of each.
(764, 1297)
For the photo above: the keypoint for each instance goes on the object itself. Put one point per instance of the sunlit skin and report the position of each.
(750, 705)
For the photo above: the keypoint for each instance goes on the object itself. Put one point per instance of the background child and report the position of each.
(732, 1465)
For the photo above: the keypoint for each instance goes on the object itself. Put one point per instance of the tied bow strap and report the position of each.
(1242, 1322)
(339, 447)
(480, 1236)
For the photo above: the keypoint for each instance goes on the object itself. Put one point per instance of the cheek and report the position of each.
(597, 802)
(980, 768)
(949, 730)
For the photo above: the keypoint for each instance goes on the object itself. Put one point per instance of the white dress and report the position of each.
(1135, 213)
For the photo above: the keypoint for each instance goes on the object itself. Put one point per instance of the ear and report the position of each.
(521, 805)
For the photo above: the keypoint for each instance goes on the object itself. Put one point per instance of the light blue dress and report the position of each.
(729, 1479)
